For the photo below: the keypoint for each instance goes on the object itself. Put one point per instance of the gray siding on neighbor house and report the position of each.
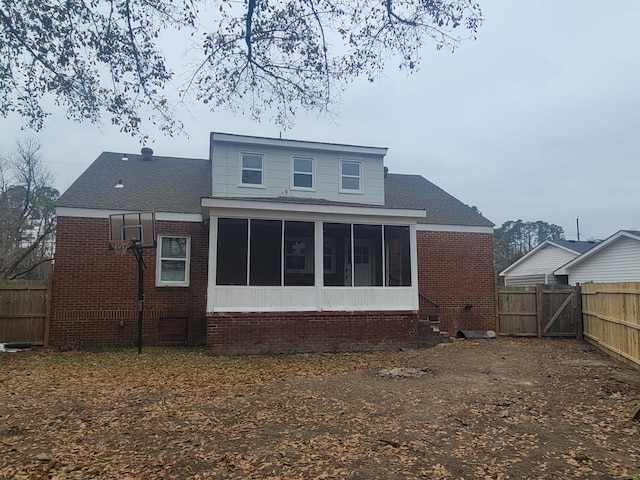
(529, 280)
(277, 173)
(524, 280)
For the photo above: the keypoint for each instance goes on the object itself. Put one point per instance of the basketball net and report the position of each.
(120, 248)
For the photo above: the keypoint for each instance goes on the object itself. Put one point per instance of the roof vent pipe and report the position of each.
(147, 153)
(386, 172)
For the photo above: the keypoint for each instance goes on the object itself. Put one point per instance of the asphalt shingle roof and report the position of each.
(575, 245)
(162, 184)
(415, 191)
(176, 185)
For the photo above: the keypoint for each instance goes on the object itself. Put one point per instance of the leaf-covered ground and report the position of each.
(495, 409)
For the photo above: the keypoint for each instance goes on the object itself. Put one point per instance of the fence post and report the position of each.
(539, 309)
(577, 312)
(49, 298)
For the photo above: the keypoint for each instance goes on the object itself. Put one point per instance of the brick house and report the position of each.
(282, 246)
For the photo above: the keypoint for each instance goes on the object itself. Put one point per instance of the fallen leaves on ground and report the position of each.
(494, 409)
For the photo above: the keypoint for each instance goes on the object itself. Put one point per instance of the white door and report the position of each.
(363, 268)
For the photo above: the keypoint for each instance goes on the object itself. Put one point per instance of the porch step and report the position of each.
(430, 334)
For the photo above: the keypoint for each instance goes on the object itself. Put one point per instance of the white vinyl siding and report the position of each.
(292, 299)
(539, 267)
(277, 174)
(617, 262)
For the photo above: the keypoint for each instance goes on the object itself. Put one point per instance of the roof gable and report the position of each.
(598, 248)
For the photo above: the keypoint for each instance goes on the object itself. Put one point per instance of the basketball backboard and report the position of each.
(136, 227)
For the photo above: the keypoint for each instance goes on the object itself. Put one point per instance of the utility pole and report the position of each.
(578, 227)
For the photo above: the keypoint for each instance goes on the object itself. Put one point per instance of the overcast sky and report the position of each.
(537, 119)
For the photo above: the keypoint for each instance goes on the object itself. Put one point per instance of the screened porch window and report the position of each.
(358, 255)
(265, 252)
(282, 253)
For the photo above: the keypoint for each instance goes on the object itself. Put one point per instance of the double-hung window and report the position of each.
(302, 173)
(350, 176)
(172, 268)
(252, 169)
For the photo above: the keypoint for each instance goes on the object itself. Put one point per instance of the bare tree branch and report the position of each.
(106, 58)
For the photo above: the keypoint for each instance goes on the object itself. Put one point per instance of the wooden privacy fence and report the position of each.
(542, 311)
(611, 313)
(25, 311)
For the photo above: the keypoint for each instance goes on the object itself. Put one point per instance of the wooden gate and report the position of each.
(24, 312)
(542, 311)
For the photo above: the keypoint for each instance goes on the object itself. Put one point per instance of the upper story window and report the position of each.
(172, 267)
(252, 169)
(302, 173)
(350, 176)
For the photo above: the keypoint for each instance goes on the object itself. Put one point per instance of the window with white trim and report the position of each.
(302, 173)
(252, 169)
(172, 267)
(350, 176)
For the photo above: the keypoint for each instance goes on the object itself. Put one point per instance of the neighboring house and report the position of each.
(615, 259)
(539, 265)
(282, 245)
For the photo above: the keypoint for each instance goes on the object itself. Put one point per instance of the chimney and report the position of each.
(147, 153)
(386, 172)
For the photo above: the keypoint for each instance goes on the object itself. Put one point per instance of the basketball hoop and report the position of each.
(133, 231)
(119, 247)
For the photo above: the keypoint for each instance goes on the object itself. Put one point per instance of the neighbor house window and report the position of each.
(302, 173)
(173, 261)
(252, 169)
(350, 176)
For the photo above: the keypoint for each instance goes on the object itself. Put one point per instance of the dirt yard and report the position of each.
(494, 409)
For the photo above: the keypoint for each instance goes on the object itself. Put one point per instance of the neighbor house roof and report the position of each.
(575, 245)
(162, 184)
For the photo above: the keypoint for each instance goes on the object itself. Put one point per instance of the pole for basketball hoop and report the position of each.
(137, 251)
(140, 228)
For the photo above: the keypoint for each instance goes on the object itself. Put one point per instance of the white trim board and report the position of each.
(304, 208)
(424, 227)
(306, 145)
(98, 213)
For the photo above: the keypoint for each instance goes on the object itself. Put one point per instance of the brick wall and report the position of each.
(95, 291)
(314, 332)
(455, 272)
(95, 297)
